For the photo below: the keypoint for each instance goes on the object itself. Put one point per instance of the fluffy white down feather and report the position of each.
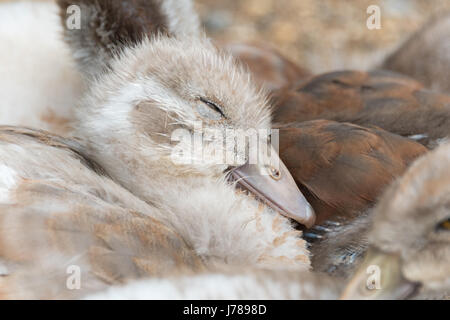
(39, 83)
(254, 284)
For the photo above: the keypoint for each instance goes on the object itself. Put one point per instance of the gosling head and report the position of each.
(168, 105)
(410, 237)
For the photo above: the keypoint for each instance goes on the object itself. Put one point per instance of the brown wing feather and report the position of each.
(344, 167)
(392, 102)
(332, 93)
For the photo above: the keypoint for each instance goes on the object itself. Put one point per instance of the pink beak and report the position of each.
(277, 188)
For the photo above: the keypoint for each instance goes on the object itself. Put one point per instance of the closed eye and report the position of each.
(213, 106)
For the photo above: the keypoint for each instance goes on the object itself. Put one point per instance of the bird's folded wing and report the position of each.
(50, 228)
(341, 167)
(385, 99)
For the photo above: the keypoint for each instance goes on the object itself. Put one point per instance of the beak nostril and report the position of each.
(275, 173)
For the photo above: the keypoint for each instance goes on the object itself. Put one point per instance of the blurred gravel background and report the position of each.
(321, 35)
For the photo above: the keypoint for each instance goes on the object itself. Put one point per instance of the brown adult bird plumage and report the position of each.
(385, 99)
(342, 168)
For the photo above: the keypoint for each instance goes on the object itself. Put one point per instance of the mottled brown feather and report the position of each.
(50, 225)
